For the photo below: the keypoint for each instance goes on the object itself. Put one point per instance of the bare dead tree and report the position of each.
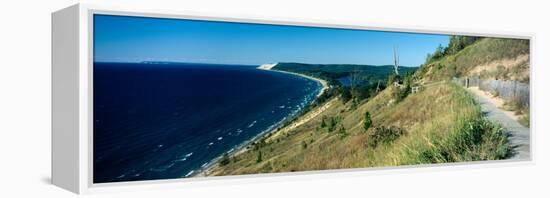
(396, 61)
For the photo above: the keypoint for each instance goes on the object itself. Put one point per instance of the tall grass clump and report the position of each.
(384, 135)
(525, 120)
(468, 137)
(472, 140)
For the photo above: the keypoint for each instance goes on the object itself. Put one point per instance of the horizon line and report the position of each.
(182, 62)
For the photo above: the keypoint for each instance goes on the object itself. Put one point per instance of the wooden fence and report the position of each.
(509, 90)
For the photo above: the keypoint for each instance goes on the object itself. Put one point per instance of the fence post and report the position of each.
(515, 90)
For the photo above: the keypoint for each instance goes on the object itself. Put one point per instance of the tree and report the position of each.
(346, 95)
(304, 145)
(429, 58)
(368, 122)
(457, 43)
(364, 91)
(332, 124)
(342, 132)
(391, 79)
(259, 159)
(323, 124)
(439, 52)
(225, 160)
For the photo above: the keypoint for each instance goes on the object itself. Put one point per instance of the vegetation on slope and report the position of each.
(487, 58)
(420, 129)
(482, 57)
(439, 124)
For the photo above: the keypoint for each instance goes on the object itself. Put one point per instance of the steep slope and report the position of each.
(440, 123)
(506, 59)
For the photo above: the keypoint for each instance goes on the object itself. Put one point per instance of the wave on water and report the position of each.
(183, 158)
(307, 100)
(251, 124)
(190, 173)
(169, 145)
(163, 167)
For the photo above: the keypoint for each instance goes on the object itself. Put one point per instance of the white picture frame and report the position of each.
(72, 63)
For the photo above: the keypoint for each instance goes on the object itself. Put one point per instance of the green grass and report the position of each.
(470, 140)
(441, 123)
(437, 125)
(482, 52)
(468, 137)
(525, 120)
(446, 125)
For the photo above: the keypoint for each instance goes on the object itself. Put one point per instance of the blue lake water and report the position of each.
(165, 121)
(345, 81)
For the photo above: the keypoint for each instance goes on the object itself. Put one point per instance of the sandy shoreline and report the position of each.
(204, 171)
(321, 81)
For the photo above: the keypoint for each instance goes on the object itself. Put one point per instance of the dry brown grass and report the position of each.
(427, 117)
(516, 68)
(484, 58)
(442, 123)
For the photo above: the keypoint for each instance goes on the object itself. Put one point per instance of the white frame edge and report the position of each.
(65, 103)
(72, 29)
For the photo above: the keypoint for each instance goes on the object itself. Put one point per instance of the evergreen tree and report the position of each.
(346, 95)
(332, 124)
(259, 159)
(323, 124)
(225, 160)
(368, 121)
(342, 132)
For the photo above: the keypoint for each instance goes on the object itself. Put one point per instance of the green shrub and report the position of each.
(342, 132)
(525, 120)
(384, 135)
(332, 124)
(225, 160)
(345, 96)
(368, 121)
(399, 94)
(473, 140)
(259, 158)
(323, 124)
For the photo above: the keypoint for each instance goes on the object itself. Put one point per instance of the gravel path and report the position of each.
(519, 135)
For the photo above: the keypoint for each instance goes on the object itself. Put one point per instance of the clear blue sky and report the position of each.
(135, 39)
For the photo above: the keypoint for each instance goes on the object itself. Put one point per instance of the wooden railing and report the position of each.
(509, 90)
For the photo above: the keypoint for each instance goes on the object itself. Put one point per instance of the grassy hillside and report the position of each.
(490, 58)
(440, 123)
(417, 130)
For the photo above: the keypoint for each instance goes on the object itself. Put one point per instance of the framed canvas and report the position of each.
(153, 98)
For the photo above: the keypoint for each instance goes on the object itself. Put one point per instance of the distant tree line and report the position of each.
(456, 43)
(360, 92)
(331, 72)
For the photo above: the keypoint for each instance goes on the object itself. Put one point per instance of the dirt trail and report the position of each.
(519, 135)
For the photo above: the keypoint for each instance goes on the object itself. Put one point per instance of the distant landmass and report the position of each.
(432, 117)
(188, 63)
(333, 72)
